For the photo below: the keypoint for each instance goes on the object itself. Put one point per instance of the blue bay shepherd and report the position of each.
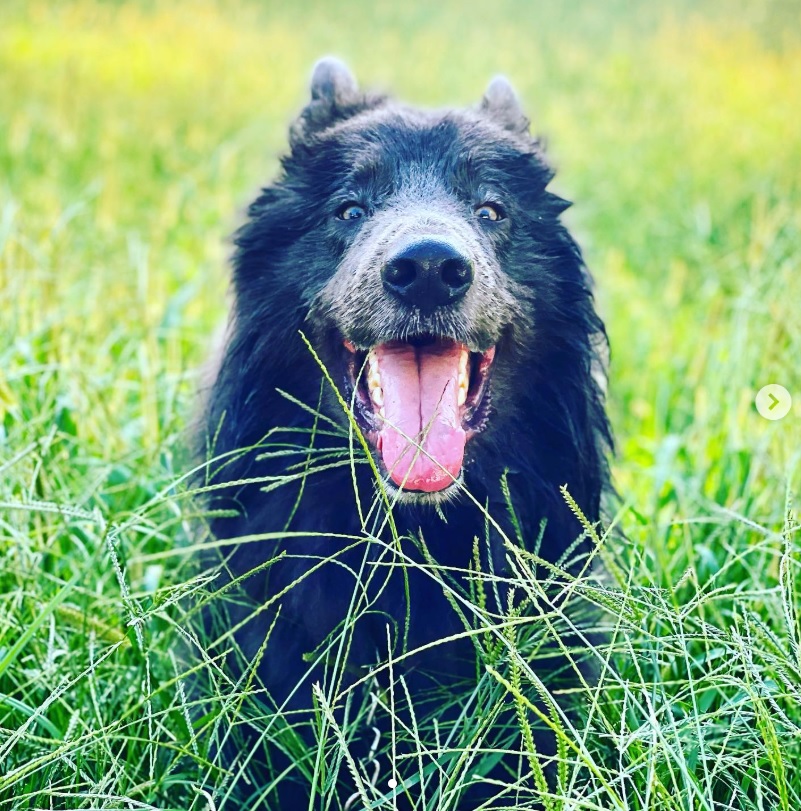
(413, 370)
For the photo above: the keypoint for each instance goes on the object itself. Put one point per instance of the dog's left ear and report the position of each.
(501, 104)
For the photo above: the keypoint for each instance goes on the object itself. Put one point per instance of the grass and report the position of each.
(133, 133)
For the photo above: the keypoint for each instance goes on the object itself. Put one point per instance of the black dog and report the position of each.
(411, 374)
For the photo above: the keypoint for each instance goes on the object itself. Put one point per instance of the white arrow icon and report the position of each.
(773, 401)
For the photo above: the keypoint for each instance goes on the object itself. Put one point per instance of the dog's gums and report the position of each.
(418, 403)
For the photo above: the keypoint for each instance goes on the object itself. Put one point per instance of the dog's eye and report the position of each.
(351, 211)
(488, 212)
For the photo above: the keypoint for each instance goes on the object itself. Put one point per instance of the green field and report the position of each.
(132, 135)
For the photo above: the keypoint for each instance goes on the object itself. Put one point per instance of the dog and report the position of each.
(413, 370)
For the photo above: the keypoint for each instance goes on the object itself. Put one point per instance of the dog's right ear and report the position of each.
(332, 82)
(335, 96)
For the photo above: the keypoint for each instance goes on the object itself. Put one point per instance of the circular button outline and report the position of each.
(773, 402)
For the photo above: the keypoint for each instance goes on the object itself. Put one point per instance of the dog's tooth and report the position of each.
(463, 375)
(373, 374)
(463, 381)
(377, 396)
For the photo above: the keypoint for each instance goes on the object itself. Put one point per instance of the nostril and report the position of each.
(400, 272)
(456, 273)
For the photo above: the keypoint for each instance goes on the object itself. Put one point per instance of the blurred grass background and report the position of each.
(131, 136)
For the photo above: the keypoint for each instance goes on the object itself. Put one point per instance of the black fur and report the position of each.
(546, 426)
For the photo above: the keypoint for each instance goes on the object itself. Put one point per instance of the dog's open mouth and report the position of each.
(418, 403)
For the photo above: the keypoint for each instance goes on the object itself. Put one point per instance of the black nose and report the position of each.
(428, 274)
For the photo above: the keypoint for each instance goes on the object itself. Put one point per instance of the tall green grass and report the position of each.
(131, 134)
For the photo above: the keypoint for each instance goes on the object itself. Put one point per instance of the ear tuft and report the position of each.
(501, 103)
(332, 82)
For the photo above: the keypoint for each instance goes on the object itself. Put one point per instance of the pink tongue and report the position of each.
(420, 409)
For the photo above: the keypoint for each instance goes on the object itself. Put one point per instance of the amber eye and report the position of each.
(351, 211)
(488, 212)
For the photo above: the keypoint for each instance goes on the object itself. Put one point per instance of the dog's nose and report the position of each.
(428, 274)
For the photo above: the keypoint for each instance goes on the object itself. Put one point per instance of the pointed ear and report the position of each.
(335, 96)
(501, 104)
(332, 82)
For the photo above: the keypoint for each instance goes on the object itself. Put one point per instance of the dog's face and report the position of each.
(426, 251)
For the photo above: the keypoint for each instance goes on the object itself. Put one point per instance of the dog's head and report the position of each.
(426, 259)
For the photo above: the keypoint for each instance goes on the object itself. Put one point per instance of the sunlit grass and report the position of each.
(133, 134)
